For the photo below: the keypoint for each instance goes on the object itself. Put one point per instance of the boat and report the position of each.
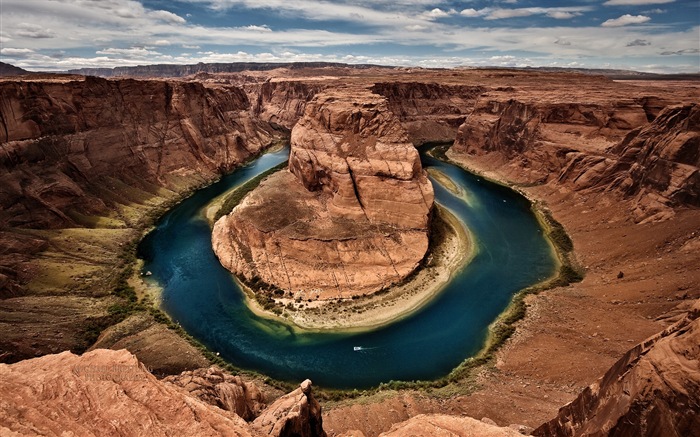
(357, 348)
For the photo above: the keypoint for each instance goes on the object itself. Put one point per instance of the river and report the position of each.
(201, 295)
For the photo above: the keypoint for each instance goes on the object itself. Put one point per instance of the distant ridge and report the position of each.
(11, 70)
(175, 70)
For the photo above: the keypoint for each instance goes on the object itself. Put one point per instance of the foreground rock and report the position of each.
(350, 217)
(295, 414)
(225, 391)
(107, 392)
(653, 390)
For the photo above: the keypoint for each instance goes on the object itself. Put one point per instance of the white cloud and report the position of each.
(626, 20)
(416, 27)
(132, 52)
(168, 17)
(190, 46)
(8, 51)
(471, 12)
(559, 13)
(161, 42)
(28, 30)
(437, 13)
(562, 15)
(263, 28)
(636, 2)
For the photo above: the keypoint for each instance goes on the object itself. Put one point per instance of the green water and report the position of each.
(201, 295)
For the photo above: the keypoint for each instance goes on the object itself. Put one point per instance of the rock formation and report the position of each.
(653, 390)
(88, 152)
(429, 111)
(67, 148)
(282, 102)
(445, 425)
(218, 388)
(295, 414)
(349, 217)
(592, 147)
(106, 392)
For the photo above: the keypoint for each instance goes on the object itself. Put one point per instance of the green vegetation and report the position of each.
(461, 378)
(235, 197)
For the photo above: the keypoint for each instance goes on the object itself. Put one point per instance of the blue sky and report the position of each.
(644, 35)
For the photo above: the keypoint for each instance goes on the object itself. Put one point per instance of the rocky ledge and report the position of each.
(349, 217)
(106, 392)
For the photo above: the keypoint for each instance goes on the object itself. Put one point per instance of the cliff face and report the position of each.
(110, 393)
(429, 111)
(67, 147)
(653, 390)
(282, 102)
(351, 216)
(101, 154)
(592, 147)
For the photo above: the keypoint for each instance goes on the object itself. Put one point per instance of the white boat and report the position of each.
(357, 348)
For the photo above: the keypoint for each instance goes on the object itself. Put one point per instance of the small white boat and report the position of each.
(357, 348)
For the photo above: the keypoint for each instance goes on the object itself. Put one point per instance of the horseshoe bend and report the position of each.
(349, 217)
(91, 340)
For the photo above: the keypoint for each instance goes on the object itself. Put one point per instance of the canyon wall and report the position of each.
(106, 392)
(85, 164)
(349, 217)
(653, 390)
(430, 112)
(592, 147)
(78, 148)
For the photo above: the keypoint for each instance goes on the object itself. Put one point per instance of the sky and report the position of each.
(661, 36)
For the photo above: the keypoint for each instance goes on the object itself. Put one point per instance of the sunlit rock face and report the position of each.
(350, 216)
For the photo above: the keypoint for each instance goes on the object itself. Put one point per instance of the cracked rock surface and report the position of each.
(349, 217)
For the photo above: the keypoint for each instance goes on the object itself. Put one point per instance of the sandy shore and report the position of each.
(454, 250)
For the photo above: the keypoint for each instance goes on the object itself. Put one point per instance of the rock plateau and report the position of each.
(349, 217)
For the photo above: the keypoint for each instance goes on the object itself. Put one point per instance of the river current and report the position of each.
(200, 295)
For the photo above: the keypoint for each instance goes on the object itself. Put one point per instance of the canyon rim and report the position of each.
(88, 164)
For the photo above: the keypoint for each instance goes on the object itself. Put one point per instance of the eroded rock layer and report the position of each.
(653, 390)
(107, 392)
(349, 217)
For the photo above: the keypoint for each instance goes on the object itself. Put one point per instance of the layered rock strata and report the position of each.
(592, 147)
(106, 392)
(349, 217)
(79, 153)
(653, 390)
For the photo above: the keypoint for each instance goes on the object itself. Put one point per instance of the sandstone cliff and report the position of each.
(351, 216)
(282, 102)
(108, 392)
(76, 148)
(429, 111)
(589, 146)
(92, 153)
(653, 390)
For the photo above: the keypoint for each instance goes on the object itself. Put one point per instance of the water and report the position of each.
(201, 295)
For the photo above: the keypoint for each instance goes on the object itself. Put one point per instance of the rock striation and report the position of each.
(295, 414)
(592, 146)
(446, 425)
(218, 388)
(430, 112)
(653, 390)
(78, 148)
(106, 392)
(350, 216)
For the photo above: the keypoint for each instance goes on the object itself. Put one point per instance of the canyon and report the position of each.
(349, 218)
(88, 163)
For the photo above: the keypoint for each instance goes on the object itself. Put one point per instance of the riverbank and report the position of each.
(451, 248)
(569, 335)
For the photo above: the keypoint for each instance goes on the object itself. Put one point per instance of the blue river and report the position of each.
(201, 295)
